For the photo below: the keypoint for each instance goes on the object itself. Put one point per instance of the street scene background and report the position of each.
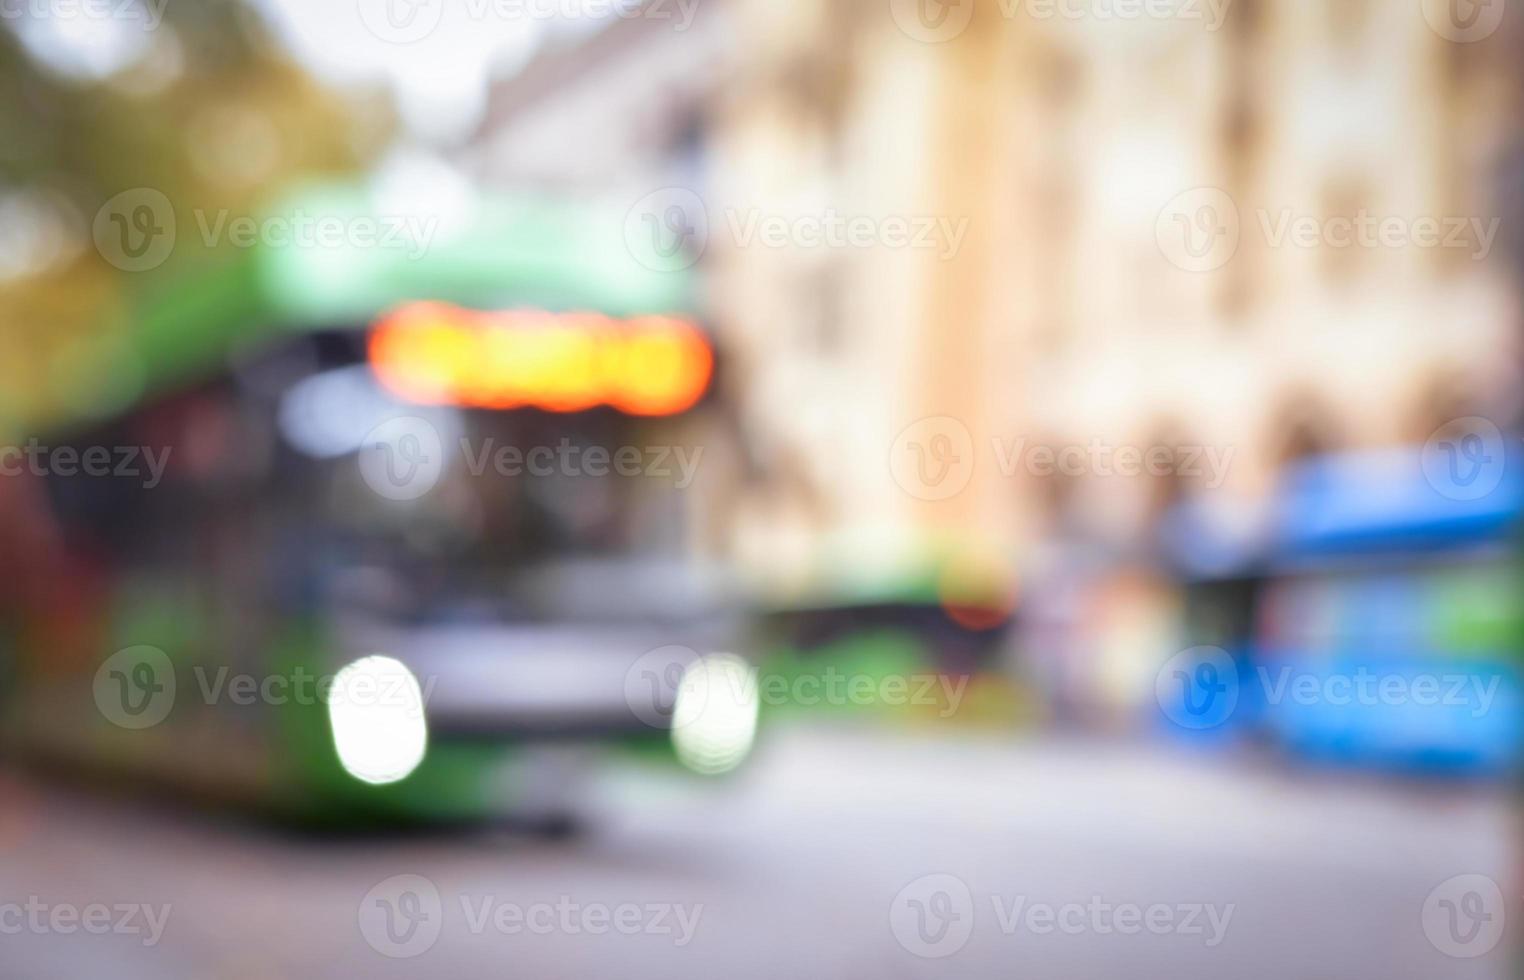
(850, 488)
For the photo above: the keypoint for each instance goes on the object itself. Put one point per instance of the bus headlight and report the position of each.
(714, 719)
(376, 711)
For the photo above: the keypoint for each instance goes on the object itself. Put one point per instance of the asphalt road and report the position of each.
(836, 854)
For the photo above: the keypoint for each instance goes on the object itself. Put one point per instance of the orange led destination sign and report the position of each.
(436, 353)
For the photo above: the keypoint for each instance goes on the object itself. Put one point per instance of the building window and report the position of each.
(1342, 254)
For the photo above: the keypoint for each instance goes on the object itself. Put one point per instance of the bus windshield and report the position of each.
(306, 471)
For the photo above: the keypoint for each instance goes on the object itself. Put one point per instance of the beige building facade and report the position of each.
(1235, 232)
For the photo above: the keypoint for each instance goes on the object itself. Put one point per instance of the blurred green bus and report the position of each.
(384, 536)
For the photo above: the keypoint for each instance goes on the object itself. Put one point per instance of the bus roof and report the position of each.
(1346, 506)
(506, 253)
(1384, 501)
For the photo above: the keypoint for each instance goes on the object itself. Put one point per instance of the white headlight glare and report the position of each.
(376, 712)
(714, 719)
